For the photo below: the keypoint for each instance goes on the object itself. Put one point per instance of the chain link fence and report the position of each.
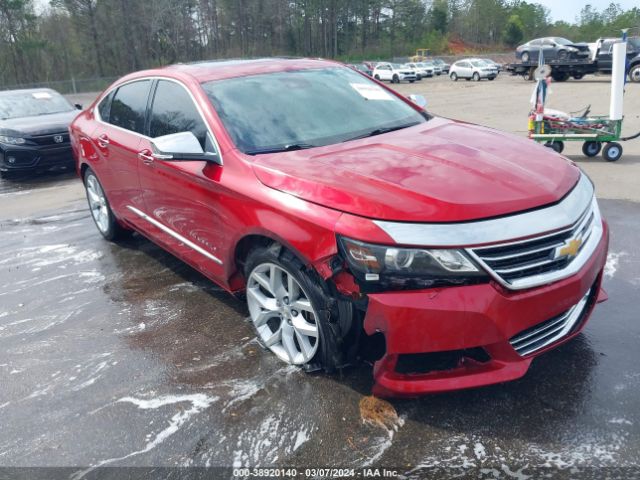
(72, 86)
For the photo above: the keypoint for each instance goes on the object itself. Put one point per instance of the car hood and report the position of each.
(580, 45)
(439, 171)
(38, 125)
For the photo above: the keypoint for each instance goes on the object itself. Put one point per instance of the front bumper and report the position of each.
(471, 326)
(21, 158)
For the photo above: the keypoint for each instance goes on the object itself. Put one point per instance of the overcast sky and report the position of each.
(568, 10)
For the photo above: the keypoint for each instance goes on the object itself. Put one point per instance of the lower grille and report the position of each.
(544, 334)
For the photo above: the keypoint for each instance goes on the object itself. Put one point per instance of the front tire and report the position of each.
(395, 79)
(377, 77)
(288, 307)
(634, 73)
(454, 76)
(476, 77)
(100, 209)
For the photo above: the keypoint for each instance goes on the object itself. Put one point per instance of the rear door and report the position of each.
(121, 122)
(181, 197)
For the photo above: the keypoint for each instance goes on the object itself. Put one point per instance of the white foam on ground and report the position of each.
(198, 401)
(613, 260)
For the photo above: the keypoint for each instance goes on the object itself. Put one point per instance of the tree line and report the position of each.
(95, 38)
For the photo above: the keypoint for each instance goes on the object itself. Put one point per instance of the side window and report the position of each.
(129, 106)
(173, 111)
(105, 106)
(535, 43)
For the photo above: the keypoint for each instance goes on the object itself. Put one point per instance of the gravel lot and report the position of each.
(123, 356)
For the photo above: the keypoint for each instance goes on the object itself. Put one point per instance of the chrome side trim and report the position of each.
(175, 235)
(549, 277)
(497, 230)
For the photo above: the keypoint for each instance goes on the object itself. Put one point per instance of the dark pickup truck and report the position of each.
(562, 69)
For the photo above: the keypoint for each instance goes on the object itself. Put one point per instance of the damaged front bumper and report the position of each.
(454, 338)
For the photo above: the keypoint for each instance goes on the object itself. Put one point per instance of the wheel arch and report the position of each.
(262, 239)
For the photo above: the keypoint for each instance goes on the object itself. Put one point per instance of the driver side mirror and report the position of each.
(181, 146)
(419, 100)
(78, 106)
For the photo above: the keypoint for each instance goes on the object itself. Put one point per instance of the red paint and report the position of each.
(442, 171)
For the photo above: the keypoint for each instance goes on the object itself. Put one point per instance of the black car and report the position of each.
(34, 130)
(553, 48)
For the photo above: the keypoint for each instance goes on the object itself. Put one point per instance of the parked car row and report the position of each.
(396, 72)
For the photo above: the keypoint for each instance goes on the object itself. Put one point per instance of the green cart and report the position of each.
(593, 131)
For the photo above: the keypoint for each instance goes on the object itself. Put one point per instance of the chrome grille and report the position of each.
(515, 262)
(550, 331)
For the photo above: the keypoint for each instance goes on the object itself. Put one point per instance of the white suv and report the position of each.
(392, 72)
(472, 69)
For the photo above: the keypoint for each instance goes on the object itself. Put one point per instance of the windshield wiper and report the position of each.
(285, 148)
(380, 131)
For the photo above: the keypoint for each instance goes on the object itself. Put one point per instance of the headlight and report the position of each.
(389, 267)
(12, 140)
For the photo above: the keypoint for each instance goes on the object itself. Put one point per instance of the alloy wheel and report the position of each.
(97, 203)
(282, 314)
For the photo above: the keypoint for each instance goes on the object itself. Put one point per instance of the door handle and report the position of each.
(103, 141)
(146, 157)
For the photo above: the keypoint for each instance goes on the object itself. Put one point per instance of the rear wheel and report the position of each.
(377, 77)
(454, 76)
(555, 145)
(100, 209)
(559, 76)
(290, 309)
(612, 152)
(591, 149)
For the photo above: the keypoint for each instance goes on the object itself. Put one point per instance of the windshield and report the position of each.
(562, 41)
(438, 62)
(32, 103)
(635, 41)
(305, 108)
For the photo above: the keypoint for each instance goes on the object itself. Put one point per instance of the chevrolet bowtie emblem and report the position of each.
(570, 248)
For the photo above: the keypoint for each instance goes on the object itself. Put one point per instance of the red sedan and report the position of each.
(346, 212)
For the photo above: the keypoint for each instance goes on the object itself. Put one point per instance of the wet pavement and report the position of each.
(121, 355)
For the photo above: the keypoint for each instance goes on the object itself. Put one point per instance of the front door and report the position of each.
(181, 197)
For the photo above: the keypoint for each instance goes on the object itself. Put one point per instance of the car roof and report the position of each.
(222, 69)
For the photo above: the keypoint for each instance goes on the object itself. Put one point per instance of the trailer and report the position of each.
(600, 60)
(561, 69)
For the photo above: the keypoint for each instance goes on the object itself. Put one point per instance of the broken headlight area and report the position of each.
(381, 267)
